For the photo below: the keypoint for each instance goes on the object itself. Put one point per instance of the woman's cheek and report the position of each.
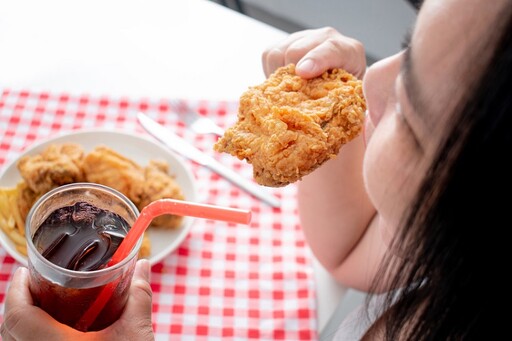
(381, 167)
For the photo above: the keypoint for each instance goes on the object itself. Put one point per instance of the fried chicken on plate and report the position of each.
(60, 164)
(158, 184)
(107, 167)
(56, 165)
(141, 185)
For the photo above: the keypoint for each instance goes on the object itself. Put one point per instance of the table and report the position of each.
(192, 49)
(158, 48)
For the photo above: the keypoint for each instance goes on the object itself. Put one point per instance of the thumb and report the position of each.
(139, 304)
(142, 271)
(327, 56)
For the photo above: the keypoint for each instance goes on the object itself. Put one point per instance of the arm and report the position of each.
(338, 219)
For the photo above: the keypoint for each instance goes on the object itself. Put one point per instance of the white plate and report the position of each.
(139, 149)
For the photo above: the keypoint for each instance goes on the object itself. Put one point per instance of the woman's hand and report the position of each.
(24, 321)
(316, 51)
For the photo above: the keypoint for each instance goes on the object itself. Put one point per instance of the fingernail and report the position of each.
(307, 66)
(145, 269)
(22, 270)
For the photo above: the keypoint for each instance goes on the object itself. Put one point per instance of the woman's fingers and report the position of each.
(18, 292)
(345, 53)
(315, 51)
(290, 50)
(22, 320)
(15, 297)
(271, 60)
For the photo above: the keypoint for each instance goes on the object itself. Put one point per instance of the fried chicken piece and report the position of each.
(141, 185)
(159, 184)
(289, 126)
(106, 167)
(57, 165)
(26, 198)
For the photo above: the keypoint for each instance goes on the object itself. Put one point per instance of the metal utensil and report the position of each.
(197, 123)
(184, 148)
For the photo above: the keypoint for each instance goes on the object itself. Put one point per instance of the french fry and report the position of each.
(20, 221)
(7, 218)
(22, 249)
(7, 224)
(17, 237)
(10, 218)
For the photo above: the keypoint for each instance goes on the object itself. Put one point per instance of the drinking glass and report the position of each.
(68, 294)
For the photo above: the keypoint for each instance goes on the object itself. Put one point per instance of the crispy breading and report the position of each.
(141, 185)
(57, 165)
(25, 199)
(105, 166)
(159, 184)
(289, 126)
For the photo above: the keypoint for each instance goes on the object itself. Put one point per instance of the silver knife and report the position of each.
(184, 148)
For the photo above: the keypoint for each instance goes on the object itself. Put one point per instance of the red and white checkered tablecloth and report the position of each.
(224, 282)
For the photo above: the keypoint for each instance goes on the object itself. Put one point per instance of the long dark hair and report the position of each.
(451, 284)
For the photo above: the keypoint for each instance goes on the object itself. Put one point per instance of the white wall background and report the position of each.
(379, 24)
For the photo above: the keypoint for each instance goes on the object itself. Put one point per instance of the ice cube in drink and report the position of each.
(81, 237)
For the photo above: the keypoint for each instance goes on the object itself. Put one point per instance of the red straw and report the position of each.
(148, 213)
(176, 207)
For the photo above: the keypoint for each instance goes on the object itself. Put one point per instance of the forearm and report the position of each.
(334, 208)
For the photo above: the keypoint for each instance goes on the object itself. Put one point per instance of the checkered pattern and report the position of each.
(226, 281)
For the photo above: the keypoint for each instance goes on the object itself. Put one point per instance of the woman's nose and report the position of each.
(378, 86)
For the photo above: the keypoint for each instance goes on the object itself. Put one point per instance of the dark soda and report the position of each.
(81, 237)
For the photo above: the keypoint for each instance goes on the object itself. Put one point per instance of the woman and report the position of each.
(416, 213)
(411, 210)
